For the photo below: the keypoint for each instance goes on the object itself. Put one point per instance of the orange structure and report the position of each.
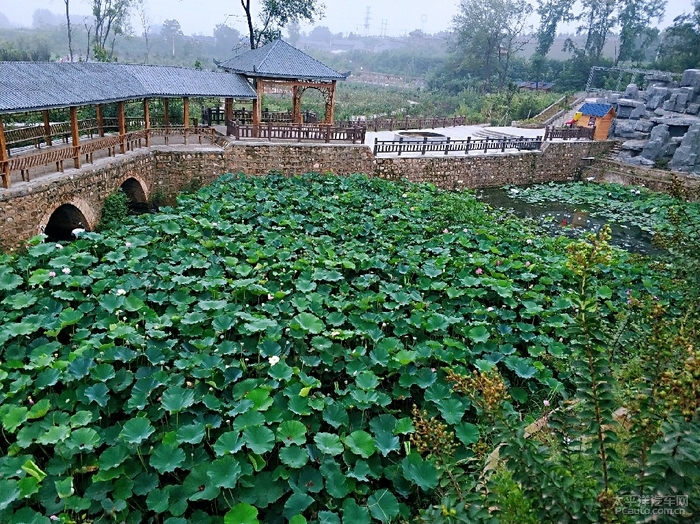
(599, 116)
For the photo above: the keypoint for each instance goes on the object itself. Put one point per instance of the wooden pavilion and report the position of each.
(279, 64)
(38, 87)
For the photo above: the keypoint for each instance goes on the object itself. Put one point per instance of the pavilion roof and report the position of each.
(279, 60)
(34, 86)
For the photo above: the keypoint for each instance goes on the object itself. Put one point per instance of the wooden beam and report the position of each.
(122, 127)
(100, 120)
(166, 112)
(257, 103)
(47, 126)
(228, 109)
(293, 83)
(4, 165)
(75, 136)
(147, 121)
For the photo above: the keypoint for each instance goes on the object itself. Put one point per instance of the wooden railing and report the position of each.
(298, 132)
(85, 151)
(244, 116)
(569, 133)
(455, 146)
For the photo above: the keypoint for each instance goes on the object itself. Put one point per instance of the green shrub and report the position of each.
(114, 210)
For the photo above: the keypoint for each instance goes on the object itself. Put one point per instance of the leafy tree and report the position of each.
(275, 15)
(293, 32)
(44, 18)
(680, 48)
(111, 18)
(171, 31)
(321, 33)
(486, 33)
(597, 19)
(146, 21)
(227, 38)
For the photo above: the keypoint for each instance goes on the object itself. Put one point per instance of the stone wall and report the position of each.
(558, 162)
(166, 171)
(654, 179)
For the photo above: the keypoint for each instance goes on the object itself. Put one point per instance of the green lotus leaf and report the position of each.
(467, 432)
(479, 334)
(308, 322)
(361, 443)
(383, 506)
(136, 430)
(353, 512)
(296, 504)
(14, 418)
(166, 458)
(158, 500)
(225, 472)
(229, 442)
(294, 456)
(259, 439)
(191, 433)
(242, 514)
(291, 432)
(175, 399)
(328, 444)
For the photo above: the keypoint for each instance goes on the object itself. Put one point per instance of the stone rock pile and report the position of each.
(660, 125)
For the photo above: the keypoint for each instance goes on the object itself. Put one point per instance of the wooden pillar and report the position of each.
(122, 127)
(100, 120)
(186, 114)
(75, 136)
(147, 121)
(257, 106)
(47, 126)
(296, 105)
(328, 117)
(166, 112)
(228, 113)
(4, 165)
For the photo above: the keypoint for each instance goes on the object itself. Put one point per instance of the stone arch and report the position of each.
(135, 188)
(64, 218)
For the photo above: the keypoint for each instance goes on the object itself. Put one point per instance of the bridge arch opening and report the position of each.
(134, 190)
(63, 221)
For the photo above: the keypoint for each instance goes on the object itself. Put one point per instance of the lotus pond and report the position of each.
(308, 349)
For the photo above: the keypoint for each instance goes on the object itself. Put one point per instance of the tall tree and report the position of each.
(70, 36)
(680, 48)
(485, 34)
(146, 21)
(111, 19)
(274, 15)
(597, 19)
(171, 31)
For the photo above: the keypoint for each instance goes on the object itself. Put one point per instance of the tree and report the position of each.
(275, 15)
(227, 38)
(680, 48)
(70, 36)
(146, 21)
(293, 32)
(170, 31)
(111, 18)
(597, 19)
(485, 35)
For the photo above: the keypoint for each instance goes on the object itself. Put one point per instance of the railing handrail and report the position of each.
(456, 146)
(300, 132)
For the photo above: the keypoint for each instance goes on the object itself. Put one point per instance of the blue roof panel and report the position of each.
(596, 110)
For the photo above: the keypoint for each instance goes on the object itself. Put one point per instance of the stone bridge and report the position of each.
(57, 203)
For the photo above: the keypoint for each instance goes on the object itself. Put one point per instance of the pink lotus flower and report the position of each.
(527, 264)
(128, 244)
(445, 230)
(479, 271)
(546, 403)
(498, 262)
(52, 274)
(65, 271)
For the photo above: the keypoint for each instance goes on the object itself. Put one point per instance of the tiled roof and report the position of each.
(280, 60)
(597, 110)
(32, 86)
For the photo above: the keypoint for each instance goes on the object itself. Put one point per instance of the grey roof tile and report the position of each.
(280, 60)
(32, 86)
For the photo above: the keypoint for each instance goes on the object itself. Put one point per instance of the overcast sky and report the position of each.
(200, 16)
